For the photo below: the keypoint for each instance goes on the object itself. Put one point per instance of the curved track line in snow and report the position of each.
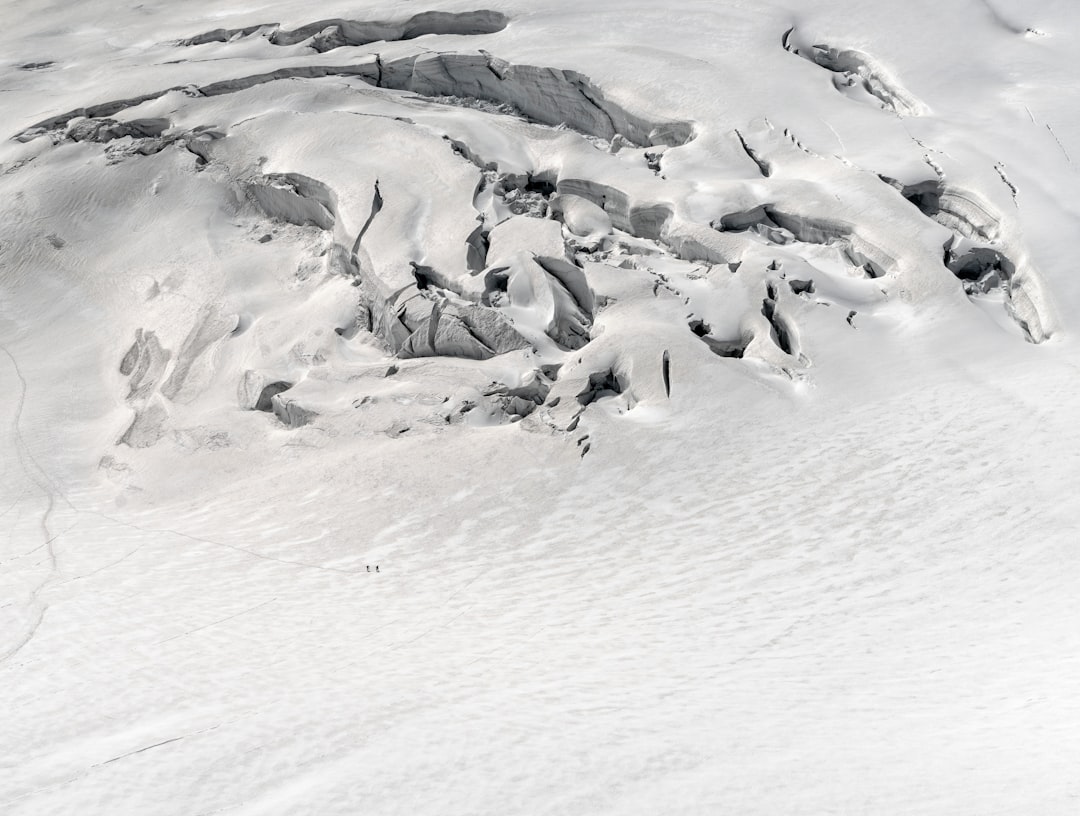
(27, 464)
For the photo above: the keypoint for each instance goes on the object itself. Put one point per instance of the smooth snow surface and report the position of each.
(548, 408)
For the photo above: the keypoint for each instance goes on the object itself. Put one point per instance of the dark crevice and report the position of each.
(224, 34)
(762, 165)
(782, 334)
(869, 268)
(808, 229)
(376, 206)
(722, 348)
(744, 220)
(107, 130)
(1000, 169)
(785, 41)
(601, 384)
(266, 397)
(105, 109)
(925, 195)
(495, 281)
(547, 94)
(734, 349)
(425, 275)
(463, 150)
(854, 69)
(982, 270)
(476, 250)
(365, 71)
(541, 186)
(544, 96)
(327, 35)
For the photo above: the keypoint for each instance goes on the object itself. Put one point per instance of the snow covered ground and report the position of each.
(701, 382)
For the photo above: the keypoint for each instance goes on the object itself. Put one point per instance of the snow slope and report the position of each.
(701, 381)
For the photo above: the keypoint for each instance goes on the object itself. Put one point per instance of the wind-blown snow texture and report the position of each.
(700, 380)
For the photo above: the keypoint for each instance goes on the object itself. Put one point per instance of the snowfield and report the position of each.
(558, 408)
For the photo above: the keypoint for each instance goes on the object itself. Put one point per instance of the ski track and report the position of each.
(26, 461)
